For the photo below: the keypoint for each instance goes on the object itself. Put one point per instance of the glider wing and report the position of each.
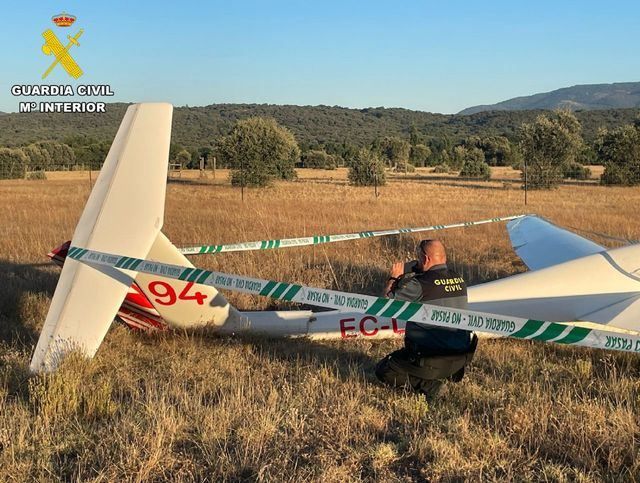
(541, 244)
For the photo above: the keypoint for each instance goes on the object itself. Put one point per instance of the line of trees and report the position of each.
(41, 156)
(312, 126)
(259, 151)
(554, 149)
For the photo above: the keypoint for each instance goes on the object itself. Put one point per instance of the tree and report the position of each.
(457, 160)
(619, 151)
(437, 147)
(259, 150)
(445, 158)
(92, 155)
(587, 154)
(473, 164)
(517, 161)
(12, 163)
(414, 136)
(318, 159)
(204, 152)
(548, 145)
(367, 169)
(337, 161)
(174, 149)
(497, 150)
(395, 150)
(183, 157)
(36, 156)
(419, 155)
(349, 153)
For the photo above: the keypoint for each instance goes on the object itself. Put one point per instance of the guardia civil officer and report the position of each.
(431, 355)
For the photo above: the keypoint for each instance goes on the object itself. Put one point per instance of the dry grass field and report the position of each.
(195, 406)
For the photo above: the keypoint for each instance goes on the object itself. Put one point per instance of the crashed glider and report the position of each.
(141, 278)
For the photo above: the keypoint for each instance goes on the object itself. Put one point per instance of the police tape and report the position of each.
(422, 313)
(319, 239)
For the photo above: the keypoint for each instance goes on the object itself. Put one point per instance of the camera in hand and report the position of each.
(411, 267)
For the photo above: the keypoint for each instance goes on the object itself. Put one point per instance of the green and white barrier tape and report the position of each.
(319, 239)
(423, 313)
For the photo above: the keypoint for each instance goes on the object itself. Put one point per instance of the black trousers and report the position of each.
(424, 373)
(396, 369)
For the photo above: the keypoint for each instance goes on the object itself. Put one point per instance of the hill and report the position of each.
(576, 98)
(195, 127)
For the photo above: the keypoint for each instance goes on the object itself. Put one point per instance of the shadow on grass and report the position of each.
(481, 185)
(349, 277)
(348, 359)
(24, 296)
(192, 181)
(24, 300)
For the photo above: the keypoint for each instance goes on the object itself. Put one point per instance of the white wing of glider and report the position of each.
(541, 244)
(124, 214)
(571, 279)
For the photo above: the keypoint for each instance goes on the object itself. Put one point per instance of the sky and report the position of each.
(432, 56)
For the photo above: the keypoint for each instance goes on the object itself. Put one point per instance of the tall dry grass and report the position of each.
(194, 406)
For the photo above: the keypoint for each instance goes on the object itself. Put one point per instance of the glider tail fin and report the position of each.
(133, 175)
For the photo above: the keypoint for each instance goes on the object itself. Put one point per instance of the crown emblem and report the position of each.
(63, 19)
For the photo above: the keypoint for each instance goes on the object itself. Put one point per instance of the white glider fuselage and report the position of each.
(603, 288)
(585, 282)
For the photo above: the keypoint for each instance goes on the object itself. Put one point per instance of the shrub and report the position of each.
(442, 168)
(34, 175)
(404, 168)
(319, 160)
(333, 162)
(472, 163)
(614, 175)
(576, 171)
(475, 169)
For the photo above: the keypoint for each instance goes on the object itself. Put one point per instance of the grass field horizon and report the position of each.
(196, 406)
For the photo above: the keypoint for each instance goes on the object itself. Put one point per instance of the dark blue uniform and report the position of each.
(431, 354)
(437, 286)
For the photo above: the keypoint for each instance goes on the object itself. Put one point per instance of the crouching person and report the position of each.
(431, 355)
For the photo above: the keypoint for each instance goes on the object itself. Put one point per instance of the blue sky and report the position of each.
(426, 55)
